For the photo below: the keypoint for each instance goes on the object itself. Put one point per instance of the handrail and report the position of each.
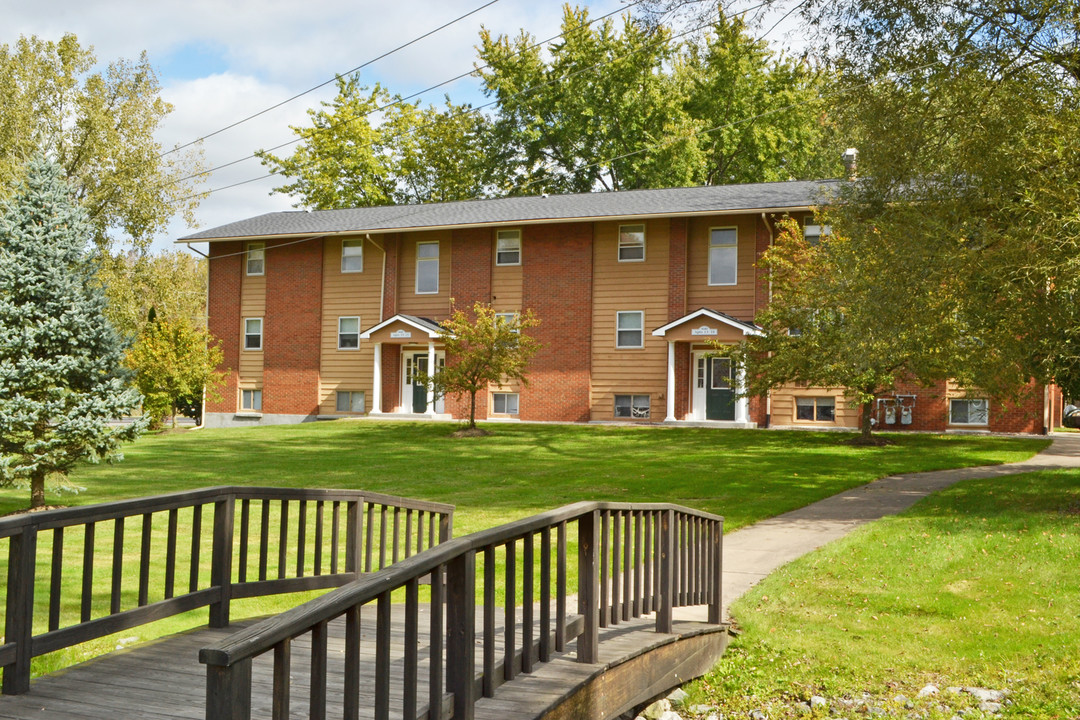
(256, 543)
(633, 559)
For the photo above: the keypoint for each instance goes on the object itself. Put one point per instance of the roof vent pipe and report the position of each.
(851, 158)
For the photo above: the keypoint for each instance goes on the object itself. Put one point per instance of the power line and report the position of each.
(387, 106)
(333, 79)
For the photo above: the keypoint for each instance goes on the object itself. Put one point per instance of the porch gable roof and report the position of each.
(429, 327)
(745, 328)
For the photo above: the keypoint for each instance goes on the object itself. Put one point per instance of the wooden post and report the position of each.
(228, 691)
(354, 531)
(588, 588)
(716, 590)
(461, 633)
(19, 628)
(222, 552)
(446, 526)
(665, 545)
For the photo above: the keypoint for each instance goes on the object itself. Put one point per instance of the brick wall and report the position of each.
(557, 286)
(682, 379)
(470, 282)
(931, 411)
(223, 317)
(677, 233)
(291, 334)
(392, 244)
(391, 377)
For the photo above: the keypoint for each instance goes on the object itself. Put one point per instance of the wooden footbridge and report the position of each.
(564, 614)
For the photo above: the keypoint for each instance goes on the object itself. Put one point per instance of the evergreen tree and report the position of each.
(61, 378)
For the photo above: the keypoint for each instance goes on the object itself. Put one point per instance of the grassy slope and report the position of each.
(977, 586)
(744, 475)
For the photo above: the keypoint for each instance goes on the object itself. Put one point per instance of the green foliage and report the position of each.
(413, 154)
(635, 109)
(481, 350)
(99, 127)
(855, 301)
(171, 284)
(971, 587)
(61, 380)
(174, 360)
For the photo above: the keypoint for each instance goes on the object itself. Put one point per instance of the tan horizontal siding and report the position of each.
(252, 305)
(621, 286)
(783, 407)
(436, 306)
(736, 300)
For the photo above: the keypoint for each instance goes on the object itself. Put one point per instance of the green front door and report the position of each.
(419, 391)
(719, 389)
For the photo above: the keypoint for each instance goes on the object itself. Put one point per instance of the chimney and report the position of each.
(851, 158)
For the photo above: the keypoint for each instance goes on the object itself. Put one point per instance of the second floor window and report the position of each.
(427, 268)
(630, 329)
(508, 247)
(348, 335)
(723, 256)
(352, 256)
(256, 258)
(631, 243)
(253, 330)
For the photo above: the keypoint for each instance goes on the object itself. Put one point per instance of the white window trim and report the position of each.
(437, 259)
(619, 244)
(970, 424)
(614, 405)
(517, 397)
(498, 237)
(360, 244)
(709, 258)
(246, 333)
(250, 410)
(823, 231)
(261, 247)
(640, 314)
(339, 333)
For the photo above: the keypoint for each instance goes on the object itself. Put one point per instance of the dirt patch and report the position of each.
(26, 511)
(872, 441)
(470, 432)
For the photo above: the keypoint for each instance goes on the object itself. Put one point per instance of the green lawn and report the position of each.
(977, 586)
(520, 470)
(745, 475)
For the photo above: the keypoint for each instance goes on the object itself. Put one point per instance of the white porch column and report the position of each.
(742, 403)
(670, 382)
(431, 372)
(376, 380)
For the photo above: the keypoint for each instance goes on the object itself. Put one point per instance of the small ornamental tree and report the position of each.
(482, 350)
(61, 374)
(174, 360)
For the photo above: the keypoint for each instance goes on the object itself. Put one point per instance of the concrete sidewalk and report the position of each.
(755, 551)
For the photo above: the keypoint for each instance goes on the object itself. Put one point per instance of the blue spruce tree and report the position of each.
(61, 379)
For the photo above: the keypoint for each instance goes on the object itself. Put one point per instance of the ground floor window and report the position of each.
(350, 401)
(969, 411)
(815, 409)
(632, 406)
(251, 400)
(504, 403)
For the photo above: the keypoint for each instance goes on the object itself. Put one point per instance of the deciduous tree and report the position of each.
(482, 349)
(61, 378)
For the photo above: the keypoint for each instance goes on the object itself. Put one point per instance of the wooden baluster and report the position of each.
(283, 539)
(87, 572)
(545, 594)
(510, 613)
(335, 536)
(351, 700)
(628, 587)
(317, 693)
(647, 560)
(170, 555)
(527, 570)
(196, 548)
(397, 532)
(412, 648)
(589, 640)
(560, 588)
(637, 611)
(616, 576)
(666, 545)
(221, 554)
(318, 549)
(488, 688)
(245, 538)
(19, 620)
(264, 538)
(282, 662)
(144, 559)
(382, 656)
(605, 614)
(408, 532)
(716, 598)
(461, 633)
(117, 566)
(301, 538)
(56, 583)
(382, 535)
(369, 553)
(435, 673)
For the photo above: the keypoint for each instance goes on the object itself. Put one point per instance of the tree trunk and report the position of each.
(472, 409)
(174, 415)
(37, 489)
(867, 410)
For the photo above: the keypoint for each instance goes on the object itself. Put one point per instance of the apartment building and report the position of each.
(330, 314)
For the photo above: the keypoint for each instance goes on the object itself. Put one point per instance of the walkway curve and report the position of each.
(755, 551)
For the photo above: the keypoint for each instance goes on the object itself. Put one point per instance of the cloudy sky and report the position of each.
(220, 61)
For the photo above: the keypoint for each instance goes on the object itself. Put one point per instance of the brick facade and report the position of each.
(558, 288)
(223, 318)
(292, 329)
(391, 376)
(677, 235)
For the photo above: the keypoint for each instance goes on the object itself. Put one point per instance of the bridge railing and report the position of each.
(632, 560)
(77, 574)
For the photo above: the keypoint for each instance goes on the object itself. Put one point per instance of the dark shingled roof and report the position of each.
(531, 210)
